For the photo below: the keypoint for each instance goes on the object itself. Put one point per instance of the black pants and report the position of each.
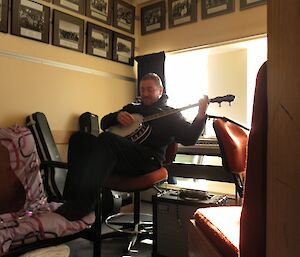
(91, 159)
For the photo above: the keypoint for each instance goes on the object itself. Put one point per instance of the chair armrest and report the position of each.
(227, 119)
(54, 164)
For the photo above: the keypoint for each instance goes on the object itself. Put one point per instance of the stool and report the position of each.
(135, 185)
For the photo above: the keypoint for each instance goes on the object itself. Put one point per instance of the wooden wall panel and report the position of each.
(283, 218)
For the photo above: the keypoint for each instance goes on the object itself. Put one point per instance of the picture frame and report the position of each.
(212, 8)
(182, 12)
(124, 16)
(123, 48)
(100, 10)
(68, 31)
(74, 5)
(4, 16)
(153, 18)
(245, 4)
(30, 20)
(99, 41)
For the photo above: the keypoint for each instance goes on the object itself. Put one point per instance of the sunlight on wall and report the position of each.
(257, 51)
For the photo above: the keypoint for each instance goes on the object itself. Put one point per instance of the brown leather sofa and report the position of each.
(239, 230)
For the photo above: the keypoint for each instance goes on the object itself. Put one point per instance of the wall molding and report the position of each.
(63, 65)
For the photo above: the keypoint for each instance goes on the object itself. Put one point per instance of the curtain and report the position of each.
(151, 63)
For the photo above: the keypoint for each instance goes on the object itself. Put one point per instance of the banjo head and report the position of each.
(128, 130)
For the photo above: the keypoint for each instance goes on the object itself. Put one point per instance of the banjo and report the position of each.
(137, 132)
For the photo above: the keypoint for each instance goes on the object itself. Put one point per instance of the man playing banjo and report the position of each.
(91, 159)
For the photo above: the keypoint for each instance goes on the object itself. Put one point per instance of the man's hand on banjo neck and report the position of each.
(203, 105)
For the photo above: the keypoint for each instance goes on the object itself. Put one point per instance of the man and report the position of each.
(91, 159)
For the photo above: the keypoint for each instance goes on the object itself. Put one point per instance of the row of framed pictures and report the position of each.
(118, 13)
(32, 20)
(180, 12)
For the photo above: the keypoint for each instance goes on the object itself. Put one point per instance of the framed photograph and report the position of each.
(74, 5)
(211, 8)
(100, 10)
(153, 18)
(3, 15)
(124, 16)
(30, 20)
(182, 12)
(123, 48)
(68, 31)
(244, 4)
(99, 41)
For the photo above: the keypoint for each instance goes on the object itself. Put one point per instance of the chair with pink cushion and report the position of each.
(27, 219)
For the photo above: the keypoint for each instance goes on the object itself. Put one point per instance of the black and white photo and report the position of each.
(182, 12)
(124, 16)
(153, 18)
(68, 31)
(3, 15)
(99, 41)
(211, 8)
(74, 5)
(244, 4)
(123, 49)
(100, 10)
(31, 20)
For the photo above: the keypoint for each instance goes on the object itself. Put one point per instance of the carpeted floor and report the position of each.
(84, 248)
(110, 248)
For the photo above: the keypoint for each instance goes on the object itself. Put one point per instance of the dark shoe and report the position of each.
(72, 212)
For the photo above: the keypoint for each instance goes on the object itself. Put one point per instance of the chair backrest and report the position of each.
(171, 153)
(54, 178)
(233, 142)
(253, 218)
(89, 122)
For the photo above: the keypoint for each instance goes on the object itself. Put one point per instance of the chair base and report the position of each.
(123, 224)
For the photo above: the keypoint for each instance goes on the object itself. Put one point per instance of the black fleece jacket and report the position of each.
(164, 130)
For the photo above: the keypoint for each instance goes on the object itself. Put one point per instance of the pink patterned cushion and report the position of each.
(35, 220)
(17, 231)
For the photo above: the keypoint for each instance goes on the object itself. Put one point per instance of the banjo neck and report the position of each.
(167, 112)
(218, 99)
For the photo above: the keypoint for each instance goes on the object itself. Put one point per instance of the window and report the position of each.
(218, 70)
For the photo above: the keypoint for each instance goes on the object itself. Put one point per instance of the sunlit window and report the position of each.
(187, 76)
(218, 70)
(186, 79)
